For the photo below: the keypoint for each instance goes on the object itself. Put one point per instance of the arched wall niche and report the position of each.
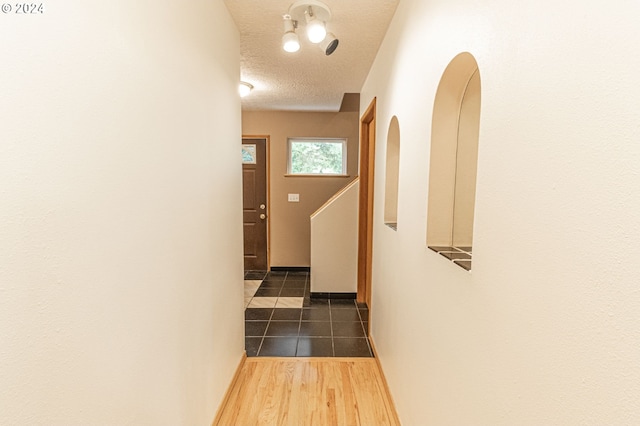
(453, 161)
(392, 174)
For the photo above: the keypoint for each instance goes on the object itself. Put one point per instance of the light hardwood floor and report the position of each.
(308, 391)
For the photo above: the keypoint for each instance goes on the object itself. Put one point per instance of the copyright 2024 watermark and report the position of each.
(22, 8)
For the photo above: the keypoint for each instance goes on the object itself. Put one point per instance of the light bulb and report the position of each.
(290, 42)
(244, 89)
(316, 31)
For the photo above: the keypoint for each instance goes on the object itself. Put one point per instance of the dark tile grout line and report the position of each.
(333, 343)
(364, 330)
(265, 331)
(268, 321)
(270, 317)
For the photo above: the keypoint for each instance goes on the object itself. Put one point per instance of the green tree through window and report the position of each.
(317, 157)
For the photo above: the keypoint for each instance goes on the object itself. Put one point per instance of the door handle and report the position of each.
(263, 216)
(262, 207)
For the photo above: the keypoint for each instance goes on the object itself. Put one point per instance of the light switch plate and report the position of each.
(294, 198)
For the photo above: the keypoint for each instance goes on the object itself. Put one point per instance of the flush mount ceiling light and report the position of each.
(314, 14)
(244, 88)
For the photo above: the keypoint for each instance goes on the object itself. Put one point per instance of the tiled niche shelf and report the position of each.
(392, 225)
(461, 256)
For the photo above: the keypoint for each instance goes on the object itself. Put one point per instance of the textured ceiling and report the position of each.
(307, 80)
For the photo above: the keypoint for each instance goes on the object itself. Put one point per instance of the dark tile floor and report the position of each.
(313, 328)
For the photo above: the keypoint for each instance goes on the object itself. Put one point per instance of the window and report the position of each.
(248, 153)
(317, 156)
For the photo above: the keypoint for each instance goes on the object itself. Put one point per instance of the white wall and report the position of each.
(545, 330)
(120, 228)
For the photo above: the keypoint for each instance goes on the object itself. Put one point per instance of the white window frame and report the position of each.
(291, 141)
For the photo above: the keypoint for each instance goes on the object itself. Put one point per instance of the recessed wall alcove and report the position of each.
(453, 162)
(392, 175)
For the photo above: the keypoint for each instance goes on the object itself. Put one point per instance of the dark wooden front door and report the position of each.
(254, 205)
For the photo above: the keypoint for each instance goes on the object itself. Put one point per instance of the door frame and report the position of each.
(267, 139)
(365, 203)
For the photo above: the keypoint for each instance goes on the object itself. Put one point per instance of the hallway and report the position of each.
(281, 319)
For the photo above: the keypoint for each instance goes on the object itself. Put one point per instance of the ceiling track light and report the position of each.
(329, 44)
(290, 42)
(316, 30)
(314, 15)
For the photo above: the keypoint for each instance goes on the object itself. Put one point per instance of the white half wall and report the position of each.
(334, 243)
(120, 213)
(545, 329)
